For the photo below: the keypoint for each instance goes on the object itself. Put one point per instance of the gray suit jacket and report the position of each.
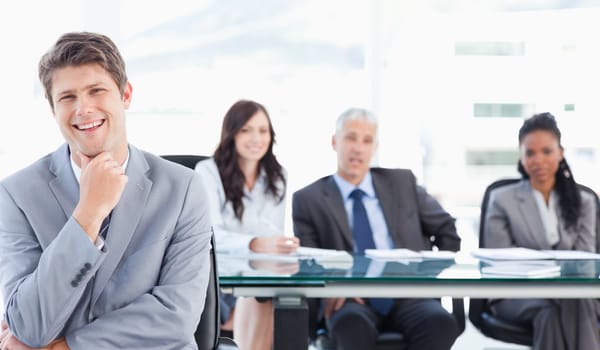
(513, 220)
(144, 290)
(415, 220)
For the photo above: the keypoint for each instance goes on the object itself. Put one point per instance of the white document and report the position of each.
(521, 269)
(305, 253)
(407, 254)
(572, 255)
(322, 254)
(511, 254)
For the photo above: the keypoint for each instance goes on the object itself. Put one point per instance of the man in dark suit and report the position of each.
(362, 208)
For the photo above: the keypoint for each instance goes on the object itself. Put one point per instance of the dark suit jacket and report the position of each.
(415, 220)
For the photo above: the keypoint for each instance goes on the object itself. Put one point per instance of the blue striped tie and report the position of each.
(363, 239)
(361, 229)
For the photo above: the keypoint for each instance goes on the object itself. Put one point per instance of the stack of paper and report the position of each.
(572, 255)
(407, 254)
(521, 269)
(517, 253)
(511, 254)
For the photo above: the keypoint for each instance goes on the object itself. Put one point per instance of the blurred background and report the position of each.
(450, 80)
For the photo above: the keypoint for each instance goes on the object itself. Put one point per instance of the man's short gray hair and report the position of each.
(354, 114)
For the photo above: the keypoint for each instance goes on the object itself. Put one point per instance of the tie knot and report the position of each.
(357, 194)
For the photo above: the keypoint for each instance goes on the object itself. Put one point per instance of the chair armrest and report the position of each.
(226, 344)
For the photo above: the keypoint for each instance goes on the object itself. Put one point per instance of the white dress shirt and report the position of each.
(381, 236)
(263, 216)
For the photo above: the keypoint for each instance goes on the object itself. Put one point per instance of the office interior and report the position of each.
(450, 81)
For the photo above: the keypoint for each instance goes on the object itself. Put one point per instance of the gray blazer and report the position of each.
(415, 220)
(144, 290)
(513, 220)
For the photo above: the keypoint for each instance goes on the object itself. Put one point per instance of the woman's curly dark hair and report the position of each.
(569, 197)
(226, 157)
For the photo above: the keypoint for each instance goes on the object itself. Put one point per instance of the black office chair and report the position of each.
(187, 160)
(207, 333)
(390, 340)
(480, 313)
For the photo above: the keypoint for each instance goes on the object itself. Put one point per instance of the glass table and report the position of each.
(290, 281)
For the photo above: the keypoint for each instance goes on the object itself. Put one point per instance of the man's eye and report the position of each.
(66, 97)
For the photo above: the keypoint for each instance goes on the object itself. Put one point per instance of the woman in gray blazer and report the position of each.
(545, 210)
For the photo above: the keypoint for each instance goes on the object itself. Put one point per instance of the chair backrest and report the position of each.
(187, 160)
(208, 331)
(486, 199)
(478, 306)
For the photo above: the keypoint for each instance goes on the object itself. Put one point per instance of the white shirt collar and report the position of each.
(346, 187)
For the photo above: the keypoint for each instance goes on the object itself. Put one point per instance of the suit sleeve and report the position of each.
(167, 316)
(38, 286)
(304, 226)
(496, 228)
(436, 222)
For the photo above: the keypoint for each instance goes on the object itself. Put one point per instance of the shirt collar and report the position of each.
(346, 188)
(77, 169)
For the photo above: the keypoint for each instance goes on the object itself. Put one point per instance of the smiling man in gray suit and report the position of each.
(391, 211)
(102, 245)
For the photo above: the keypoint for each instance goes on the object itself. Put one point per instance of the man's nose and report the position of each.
(84, 105)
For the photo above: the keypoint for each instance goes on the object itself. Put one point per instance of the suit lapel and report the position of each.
(64, 185)
(333, 199)
(390, 206)
(530, 215)
(125, 218)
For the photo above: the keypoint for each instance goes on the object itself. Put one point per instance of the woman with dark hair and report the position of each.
(246, 187)
(545, 210)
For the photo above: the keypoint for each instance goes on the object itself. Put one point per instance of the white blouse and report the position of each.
(263, 216)
(549, 215)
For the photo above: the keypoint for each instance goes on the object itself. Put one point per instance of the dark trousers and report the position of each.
(424, 323)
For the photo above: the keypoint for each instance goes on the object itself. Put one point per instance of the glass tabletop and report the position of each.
(236, 270)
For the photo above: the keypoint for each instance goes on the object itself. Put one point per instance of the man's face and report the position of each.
(355, 145)
(90, 110)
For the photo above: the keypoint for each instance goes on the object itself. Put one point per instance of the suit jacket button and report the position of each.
(83, 271)
(87, 266)
(74, 283)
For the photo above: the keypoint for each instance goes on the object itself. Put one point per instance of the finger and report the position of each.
(4, 325)
(339, 303)
(360, 300)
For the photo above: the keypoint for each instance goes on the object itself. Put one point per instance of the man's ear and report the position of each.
(333, 143)
(127, 92)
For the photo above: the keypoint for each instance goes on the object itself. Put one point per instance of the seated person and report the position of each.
(545, 210)
(246, 190)
(360, 208)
